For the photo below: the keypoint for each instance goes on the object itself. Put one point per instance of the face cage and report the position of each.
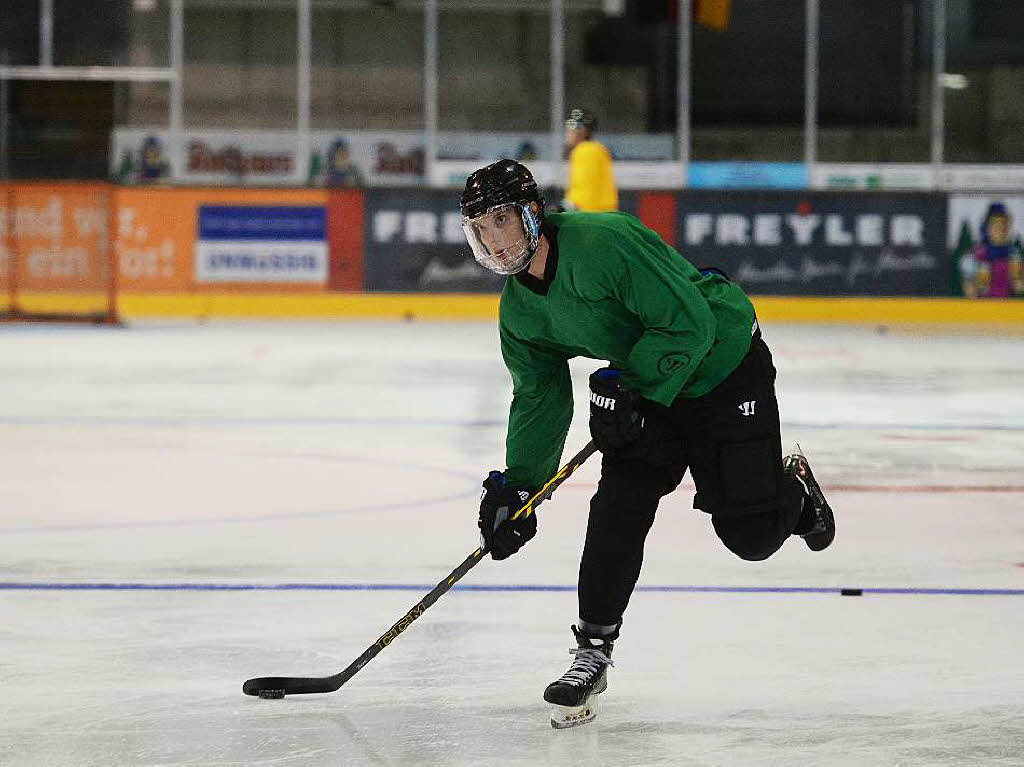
(513, 258)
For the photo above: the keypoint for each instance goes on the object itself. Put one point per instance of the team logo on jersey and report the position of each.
(672, 361)
(747, 408)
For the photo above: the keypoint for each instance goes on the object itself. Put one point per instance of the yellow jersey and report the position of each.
(591, 184)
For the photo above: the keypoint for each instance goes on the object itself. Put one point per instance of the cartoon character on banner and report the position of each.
(993, 269)
(152, 166)
(341, 168)
(526, 151)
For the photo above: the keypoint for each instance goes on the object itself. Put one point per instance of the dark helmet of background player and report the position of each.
(508, 186)
(581, 119)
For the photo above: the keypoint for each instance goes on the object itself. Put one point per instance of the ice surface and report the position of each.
(350, 454)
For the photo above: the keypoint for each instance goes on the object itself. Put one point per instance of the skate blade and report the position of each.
(563, 717)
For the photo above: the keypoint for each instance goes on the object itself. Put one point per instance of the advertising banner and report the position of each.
(747, 175)
(819, 243)
(58, 235)
(156, 238)
(984, 241)
(236, 158)
(414, 242)
(907, 175)
(258, 243)
(365, 158)
(354, 158)
(981, 178)
(357, 158)
(872, 176)
(178, 239)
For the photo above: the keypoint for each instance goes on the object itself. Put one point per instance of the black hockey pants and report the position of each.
(730, 441)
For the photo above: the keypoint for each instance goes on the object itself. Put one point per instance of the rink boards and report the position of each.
(879, 257)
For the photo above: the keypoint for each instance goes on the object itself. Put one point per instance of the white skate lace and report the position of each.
(587, 664)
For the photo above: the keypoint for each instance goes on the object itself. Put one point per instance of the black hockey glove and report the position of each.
(614, 423)
(498, 533)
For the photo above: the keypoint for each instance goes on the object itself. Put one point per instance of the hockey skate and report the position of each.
(817, 524)
(574, 694)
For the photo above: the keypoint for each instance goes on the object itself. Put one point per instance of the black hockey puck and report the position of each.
(852, 592)
(271, 694)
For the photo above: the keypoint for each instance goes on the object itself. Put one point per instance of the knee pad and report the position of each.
(752, 537)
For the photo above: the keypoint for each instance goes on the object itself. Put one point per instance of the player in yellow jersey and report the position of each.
(591, 184)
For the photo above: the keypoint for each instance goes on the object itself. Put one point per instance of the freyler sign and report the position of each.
(414, 242)
(819, 243)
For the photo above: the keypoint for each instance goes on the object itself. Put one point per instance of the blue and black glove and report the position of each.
(614, 421)
(500, 534)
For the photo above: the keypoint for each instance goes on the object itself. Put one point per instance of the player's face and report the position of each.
(498, 239)
(500, 229)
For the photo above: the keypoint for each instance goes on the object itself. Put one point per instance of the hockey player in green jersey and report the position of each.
(689, 384)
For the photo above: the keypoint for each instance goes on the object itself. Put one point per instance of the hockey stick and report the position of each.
(279, 686)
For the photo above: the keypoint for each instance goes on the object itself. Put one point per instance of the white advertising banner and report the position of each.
(983, 178)
(361, 158)
(984, 238)
(236, 158)
(249, 261)
(970, 212)
(397, 158)
(871, 176)
(917, 176)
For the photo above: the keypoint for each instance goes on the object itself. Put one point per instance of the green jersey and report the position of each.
(612, 290)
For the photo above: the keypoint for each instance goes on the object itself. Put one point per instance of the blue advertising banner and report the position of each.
(746, 175)
(819, 243)
(261, 222)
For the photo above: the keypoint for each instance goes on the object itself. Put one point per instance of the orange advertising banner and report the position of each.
(54, 237)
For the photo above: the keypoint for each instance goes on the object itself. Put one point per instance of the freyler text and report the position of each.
(831, 230)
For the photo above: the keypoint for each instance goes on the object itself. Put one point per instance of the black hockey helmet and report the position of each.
(581, 119)
(500, 225)
(500, 183)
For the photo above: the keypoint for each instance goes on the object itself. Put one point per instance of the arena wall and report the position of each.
(867, 257)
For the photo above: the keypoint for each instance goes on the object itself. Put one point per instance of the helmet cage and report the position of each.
(507, 257)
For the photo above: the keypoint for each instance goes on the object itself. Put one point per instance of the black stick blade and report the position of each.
(279, 686)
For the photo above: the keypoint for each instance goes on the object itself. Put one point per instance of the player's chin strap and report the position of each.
(279, 686)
